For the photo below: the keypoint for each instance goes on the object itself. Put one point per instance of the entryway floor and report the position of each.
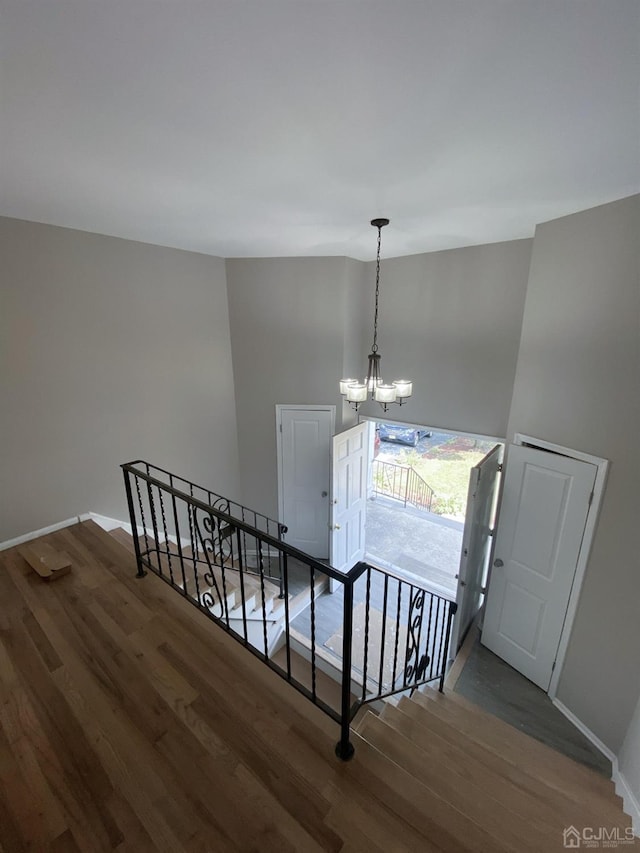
(412, 541)
(496, 687)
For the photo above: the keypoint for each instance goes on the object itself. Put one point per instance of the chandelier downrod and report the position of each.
(400, 389)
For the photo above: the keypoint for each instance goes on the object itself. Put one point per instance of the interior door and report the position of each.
(545, 503)
(476, 541)
(349, 477)
(305, 442)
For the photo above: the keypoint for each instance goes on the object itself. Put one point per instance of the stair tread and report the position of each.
(470, 706)
(446, 826)
(121, 535)
(497, 817)
(473, 712)
(507, 736)
(536, 804)
(327, 688)
(253, 591)
(446, 745)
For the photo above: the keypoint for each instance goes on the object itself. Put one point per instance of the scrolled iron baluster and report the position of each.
(416, 664)
(208, 549)
(208, 601)
(224, 550)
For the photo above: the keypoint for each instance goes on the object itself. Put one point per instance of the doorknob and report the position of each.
(336, 527)
(498, 563)
(324, 494)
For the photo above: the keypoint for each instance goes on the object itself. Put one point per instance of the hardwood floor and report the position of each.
(129, 722)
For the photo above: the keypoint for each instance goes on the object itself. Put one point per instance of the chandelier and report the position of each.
(356, 392)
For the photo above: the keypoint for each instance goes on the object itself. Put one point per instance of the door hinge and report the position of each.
(500, 466)
(483, 590)
(280, 425)
(590, 499)
(491, 532)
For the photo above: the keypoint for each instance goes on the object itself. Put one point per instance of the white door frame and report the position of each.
(280, 408)
(602, 467)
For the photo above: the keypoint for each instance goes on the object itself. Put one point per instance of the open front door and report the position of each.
(476, 541)
(348, 496)
(545, 503)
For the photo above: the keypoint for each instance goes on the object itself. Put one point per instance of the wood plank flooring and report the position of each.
(129, 722)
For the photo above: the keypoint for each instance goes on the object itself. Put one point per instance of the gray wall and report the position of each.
(629, 758)
(451, 321)
(577, 384)
(111, 351)
(114, 350)
(287, 338)
(356, 328)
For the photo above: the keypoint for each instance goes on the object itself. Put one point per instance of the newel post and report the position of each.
(344, 747)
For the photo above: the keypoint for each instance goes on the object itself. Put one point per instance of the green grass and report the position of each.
(446, 469)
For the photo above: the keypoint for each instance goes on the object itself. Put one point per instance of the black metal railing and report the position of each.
(401, 483)
(393, 636)
(271, 566)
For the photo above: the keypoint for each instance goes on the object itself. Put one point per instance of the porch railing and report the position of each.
(392, 635)
(401, 483)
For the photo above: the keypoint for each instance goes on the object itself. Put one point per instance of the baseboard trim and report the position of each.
(631, 805)
(595, 740)
(103, 521)
(43, 531)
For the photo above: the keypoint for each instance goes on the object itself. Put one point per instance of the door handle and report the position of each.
(336, 527)
(498, 563)
(324, 494)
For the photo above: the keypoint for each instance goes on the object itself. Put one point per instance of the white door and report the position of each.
(304, 474)
(476, 541)
(349, 496)
(544, 510)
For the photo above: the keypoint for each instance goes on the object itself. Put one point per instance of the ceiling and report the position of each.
(252, 128)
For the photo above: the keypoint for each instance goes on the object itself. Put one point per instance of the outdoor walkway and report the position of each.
(410, 540)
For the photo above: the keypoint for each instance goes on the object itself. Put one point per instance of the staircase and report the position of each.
(273, 605)
(513, 792)
(484, 784)
(129, 721)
